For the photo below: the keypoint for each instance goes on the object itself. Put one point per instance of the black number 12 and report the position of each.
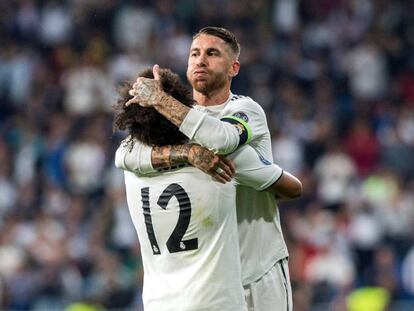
(175, 242)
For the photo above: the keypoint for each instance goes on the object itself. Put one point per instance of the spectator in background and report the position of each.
(335, 172)
(367, 72)
(290, 50)
(363, 147)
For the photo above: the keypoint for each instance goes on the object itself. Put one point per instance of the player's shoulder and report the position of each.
(243, 101)
(236, 98)
(244, 104)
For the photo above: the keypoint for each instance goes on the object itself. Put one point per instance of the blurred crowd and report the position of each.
(335, 77)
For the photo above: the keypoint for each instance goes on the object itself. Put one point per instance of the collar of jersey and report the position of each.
(214, 108)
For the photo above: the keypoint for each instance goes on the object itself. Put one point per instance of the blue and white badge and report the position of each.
(241, 115)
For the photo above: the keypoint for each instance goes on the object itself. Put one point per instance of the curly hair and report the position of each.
(145, 123)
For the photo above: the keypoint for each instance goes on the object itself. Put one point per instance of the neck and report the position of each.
(214, 98)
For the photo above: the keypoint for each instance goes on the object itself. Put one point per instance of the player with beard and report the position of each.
(222, 122)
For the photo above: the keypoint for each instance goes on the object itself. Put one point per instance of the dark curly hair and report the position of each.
(145, 123)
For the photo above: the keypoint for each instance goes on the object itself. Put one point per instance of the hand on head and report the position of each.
(147, 92)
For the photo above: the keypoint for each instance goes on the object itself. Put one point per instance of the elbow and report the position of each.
(297, 190)
(289, 187)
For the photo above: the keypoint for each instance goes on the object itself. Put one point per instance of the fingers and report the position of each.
(230, 165)
(132, 92)
(156, 72)
(220, 179)
(217, 167)
(137, 82)
(133, 100)
(222, 171)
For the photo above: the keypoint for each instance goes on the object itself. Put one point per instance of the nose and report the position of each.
(201, 61)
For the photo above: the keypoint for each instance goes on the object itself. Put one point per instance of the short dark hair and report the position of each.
(222, 33)
(145, 123)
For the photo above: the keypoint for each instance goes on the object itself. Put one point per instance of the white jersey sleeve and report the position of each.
(243, 120)
(253, 170)
(247, 110)
(136, 159)
(210, 132)
(243, 111)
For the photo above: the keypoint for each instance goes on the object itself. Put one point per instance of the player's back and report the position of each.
(187, 229)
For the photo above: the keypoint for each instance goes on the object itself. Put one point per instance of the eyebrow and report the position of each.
(213, 50)
(207, 50)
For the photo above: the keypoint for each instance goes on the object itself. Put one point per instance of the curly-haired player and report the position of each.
(223, 121)
(146, 124)
(185, 220)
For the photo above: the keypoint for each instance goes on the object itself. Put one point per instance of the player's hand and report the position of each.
(147, 92)
(219, 167)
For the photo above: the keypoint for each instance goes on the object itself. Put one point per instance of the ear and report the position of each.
(234, 69)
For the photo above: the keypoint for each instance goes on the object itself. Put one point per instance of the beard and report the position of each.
(214, 82)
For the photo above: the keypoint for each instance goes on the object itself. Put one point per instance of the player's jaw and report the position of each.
(205, 81)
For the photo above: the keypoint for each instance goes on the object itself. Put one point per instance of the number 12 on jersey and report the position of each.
(175, 242)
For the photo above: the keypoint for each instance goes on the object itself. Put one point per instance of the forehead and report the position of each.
(205, 41)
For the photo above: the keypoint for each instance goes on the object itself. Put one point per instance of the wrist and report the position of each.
(161, 99)
(179, 154)
(194, 152)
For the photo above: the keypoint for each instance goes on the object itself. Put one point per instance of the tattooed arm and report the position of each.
(205, 160)
(148, 93)
(212, 133)
(143, 160)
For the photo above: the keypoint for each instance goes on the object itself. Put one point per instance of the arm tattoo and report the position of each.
(166, 157)
(172, 109)
(201, 157)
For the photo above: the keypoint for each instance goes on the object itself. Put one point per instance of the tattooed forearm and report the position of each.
(148, 93)
(172, 109)
(172, 156)
(179, 154)
(169, 156)
(201, 157)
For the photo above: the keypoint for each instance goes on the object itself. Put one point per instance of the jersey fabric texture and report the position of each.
(260, 234)
(187, 229)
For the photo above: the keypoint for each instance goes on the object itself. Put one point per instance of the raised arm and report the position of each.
(212, 133)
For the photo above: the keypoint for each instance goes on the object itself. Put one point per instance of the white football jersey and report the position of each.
(260, 234)
(187, 229)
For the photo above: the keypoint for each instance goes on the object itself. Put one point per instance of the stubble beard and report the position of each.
(207, 87)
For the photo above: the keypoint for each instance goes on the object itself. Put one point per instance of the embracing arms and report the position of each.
(142, 159)
(250, 169)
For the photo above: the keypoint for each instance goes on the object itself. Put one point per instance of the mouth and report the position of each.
(200, 72)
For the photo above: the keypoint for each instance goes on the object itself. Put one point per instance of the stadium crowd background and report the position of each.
(336, 79)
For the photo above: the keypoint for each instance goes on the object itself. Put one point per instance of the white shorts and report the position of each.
(272, 292)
